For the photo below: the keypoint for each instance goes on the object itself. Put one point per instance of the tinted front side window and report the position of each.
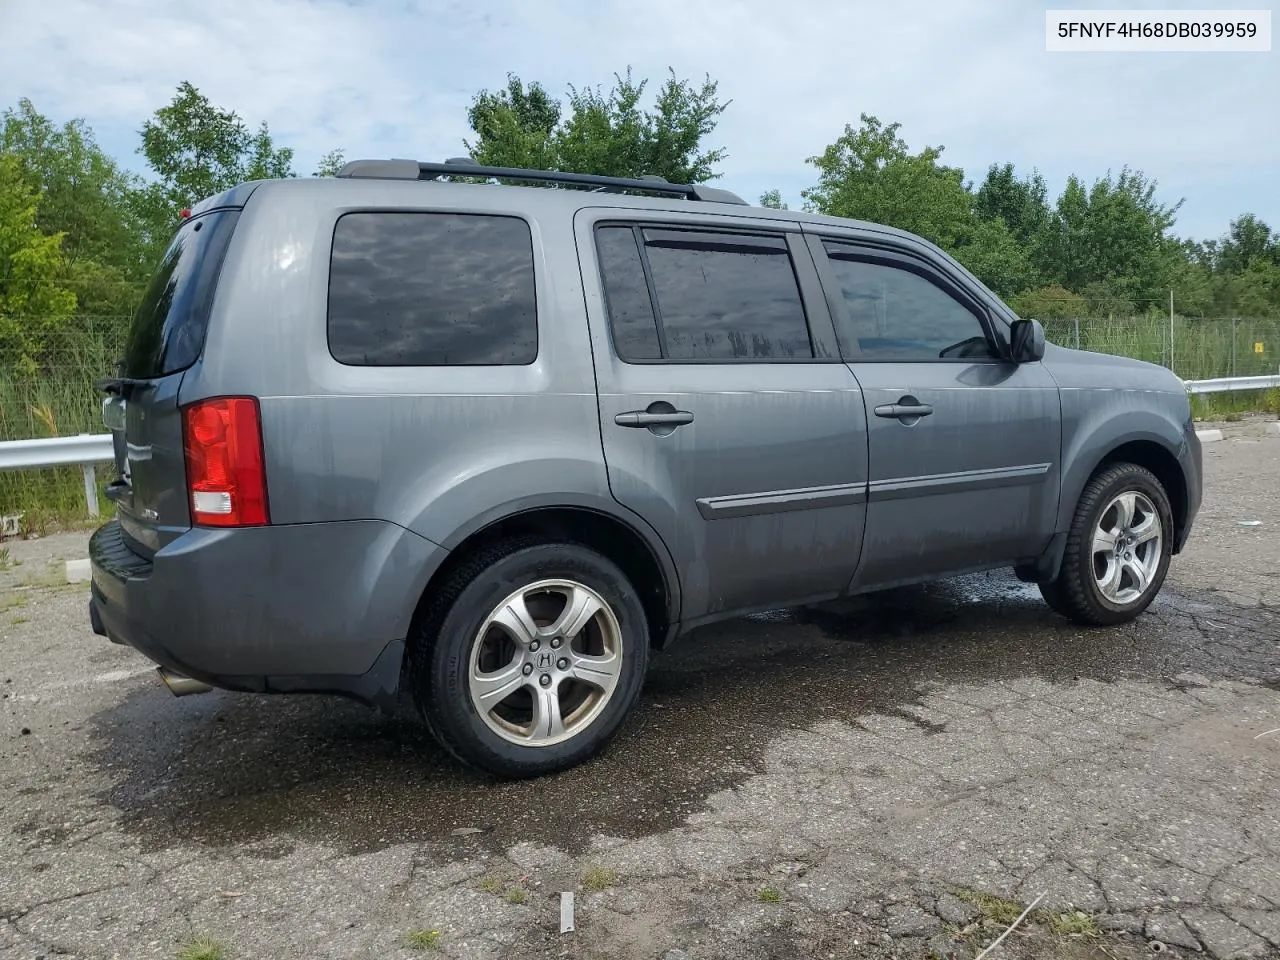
(168, 331)
(432, 289)
(894, 314)
(723, 296)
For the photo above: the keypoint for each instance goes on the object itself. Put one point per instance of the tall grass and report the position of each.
(61, 401)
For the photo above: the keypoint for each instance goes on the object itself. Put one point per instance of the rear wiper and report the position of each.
(118, 385)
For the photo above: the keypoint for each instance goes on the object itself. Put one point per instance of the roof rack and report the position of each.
(466, 167)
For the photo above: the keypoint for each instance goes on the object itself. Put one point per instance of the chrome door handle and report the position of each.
(907, 411)
(642, 418)
(896, 411)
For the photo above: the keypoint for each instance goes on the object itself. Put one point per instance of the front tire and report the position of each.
(1118, 549)
(530, 658)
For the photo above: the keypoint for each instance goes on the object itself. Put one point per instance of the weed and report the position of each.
(990, 907)
(6, 559)
(769, 895)
(203, 947)
(47, 580)
(516, 895)
(12, 602)
(17, 620)
(490, 884)
(423, 939)
(1071, 923)
(999, 911)
(44, 414)
(595, 879)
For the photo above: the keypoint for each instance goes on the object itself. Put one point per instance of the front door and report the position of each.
(964, 446)
(728, 421)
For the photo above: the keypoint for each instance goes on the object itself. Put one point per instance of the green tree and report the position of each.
(1248, 241)
(603, 133)
(996, 257)
(1049, 303)
(1020, 202)
(870, 174)
(85, 196)
(1233, 275)
(515, 127)
(1193, 282)
(772, 199)
(33, 303)
(1255, 291)
(1115, 232)
(196, 149)
(1110, 299)
(330, 164)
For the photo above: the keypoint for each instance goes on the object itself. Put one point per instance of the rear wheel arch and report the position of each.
(643, 558)
(472, 661)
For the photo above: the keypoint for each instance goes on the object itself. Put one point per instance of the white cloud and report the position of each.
(394, 79)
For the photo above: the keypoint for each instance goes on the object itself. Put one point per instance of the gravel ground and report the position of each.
(894, 776)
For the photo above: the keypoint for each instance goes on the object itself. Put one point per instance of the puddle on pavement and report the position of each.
(263, 771)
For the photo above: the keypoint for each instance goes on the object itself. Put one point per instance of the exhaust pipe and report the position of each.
(181, 686)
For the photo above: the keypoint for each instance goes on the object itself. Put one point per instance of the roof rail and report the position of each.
(464, 167)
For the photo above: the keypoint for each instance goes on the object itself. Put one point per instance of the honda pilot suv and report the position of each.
(416, 425)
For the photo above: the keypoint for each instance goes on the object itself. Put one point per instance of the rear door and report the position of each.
(141, 408)
(964, 444)
(728, 422)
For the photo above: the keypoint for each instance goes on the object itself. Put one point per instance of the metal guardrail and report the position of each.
(81, 451)
(87, 449)
(56, 451)
(1227, 384)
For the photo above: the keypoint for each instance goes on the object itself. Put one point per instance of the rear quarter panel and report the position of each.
(438, 451)
(423, 447)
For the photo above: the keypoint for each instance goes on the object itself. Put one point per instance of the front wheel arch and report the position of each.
(1164, 465)
(1150, 454)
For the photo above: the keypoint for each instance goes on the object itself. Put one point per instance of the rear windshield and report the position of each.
(168, 331)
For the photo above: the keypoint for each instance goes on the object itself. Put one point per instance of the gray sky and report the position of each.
(394, 78)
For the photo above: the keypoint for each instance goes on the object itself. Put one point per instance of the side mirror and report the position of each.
(1026, 341)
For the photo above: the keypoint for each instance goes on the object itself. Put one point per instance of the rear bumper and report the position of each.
(319, 607)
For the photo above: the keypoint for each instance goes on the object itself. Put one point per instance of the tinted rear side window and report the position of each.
(168, 332)
(432, 289)
(724, 296)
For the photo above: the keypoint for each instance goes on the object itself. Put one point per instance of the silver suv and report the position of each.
(496, 443)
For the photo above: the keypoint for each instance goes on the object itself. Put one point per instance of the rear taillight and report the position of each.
(226, 477)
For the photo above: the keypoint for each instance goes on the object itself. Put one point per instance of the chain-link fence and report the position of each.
(46, 390)
(1194, 348)
(50, 393)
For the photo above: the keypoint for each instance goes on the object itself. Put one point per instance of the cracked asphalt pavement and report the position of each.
(885, 777)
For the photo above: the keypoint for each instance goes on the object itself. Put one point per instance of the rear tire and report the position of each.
(1118, 549)
(530, 657)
